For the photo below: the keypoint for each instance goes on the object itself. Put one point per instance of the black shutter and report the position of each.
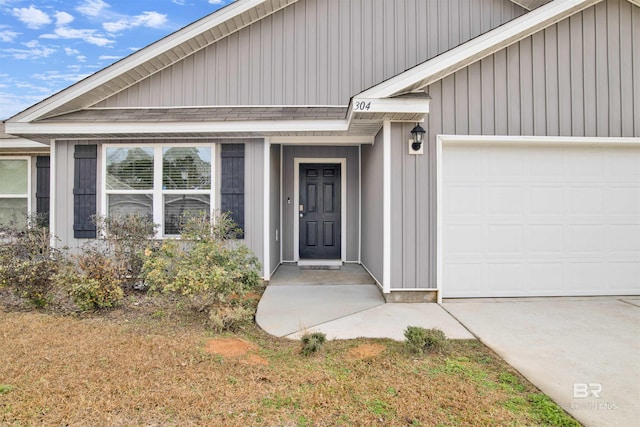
(232, 183)
(84, 191)
(42, 189)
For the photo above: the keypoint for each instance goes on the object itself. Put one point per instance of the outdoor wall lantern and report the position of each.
(417, 137)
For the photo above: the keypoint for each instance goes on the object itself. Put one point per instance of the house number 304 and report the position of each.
(362, 106)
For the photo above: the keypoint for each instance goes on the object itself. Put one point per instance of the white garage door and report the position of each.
(540, 219)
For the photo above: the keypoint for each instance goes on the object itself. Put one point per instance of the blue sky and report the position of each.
(47, 45)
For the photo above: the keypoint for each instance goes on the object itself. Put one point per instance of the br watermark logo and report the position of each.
(590, 390)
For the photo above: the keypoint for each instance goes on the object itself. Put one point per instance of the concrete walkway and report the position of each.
(582, 352)
(343, 304)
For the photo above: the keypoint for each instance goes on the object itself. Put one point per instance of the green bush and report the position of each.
(420, 339)
(93, 281)
(28, 263)
(312, 343)
(207, 268)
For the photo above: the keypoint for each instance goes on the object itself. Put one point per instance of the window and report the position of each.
(15, 183)
(162, 182)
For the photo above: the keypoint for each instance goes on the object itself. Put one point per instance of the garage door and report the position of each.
(540, 219)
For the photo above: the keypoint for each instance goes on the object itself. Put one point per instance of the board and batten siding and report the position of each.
(64, 181)
(317, 52)
(579, 77)
(274, 207)
(254, 187)
(253, 192)
(290, 152)
(372, 207)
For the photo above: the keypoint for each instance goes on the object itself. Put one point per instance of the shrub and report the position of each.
(125, 239)
(207, 268)
(420, 339)
(312, 343)
(28, 263)
(229, 318)
(93, 281)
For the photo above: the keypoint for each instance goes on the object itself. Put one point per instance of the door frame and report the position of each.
(342, 161)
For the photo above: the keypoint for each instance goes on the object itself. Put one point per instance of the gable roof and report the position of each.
(50, 118)
(153, 58)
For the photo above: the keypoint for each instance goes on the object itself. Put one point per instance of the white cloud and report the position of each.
(71, 52)
(179, 2)
(89, 36)
(108, 57)
(8, 36)
(34, 51)
(146, 19)
(92, 7)
(217, 2)
(63, 18)
(33, 18)
(52, 76)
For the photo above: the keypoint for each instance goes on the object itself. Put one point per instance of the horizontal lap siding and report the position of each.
(318, 52)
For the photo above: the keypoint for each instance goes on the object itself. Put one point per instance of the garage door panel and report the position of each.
(506, 239)
(585, 239)
(545, 239)
(623, 200)
(623, 240)
(555, 220)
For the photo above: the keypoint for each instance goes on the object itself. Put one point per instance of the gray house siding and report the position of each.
(412, 214)
(580, 77)
(372, 207)
(64, 174)
(64, 198)
(274, 208)
(253, 194)
(318, 52)
(352, 197)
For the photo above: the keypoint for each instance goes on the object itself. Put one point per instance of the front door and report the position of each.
(319, 211)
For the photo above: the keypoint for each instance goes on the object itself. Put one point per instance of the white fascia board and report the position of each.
(361, 104)
(101, 77)
(21, 143)
(178, 127)
(478, 48)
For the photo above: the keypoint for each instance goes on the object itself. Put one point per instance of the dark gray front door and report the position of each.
(319, 211)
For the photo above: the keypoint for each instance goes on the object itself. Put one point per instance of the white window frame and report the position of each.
(26, 195)
(157, 191)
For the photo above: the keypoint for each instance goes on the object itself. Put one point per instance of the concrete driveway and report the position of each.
(582, 352)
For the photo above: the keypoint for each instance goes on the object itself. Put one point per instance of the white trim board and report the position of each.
(266, 248)
(342, 161)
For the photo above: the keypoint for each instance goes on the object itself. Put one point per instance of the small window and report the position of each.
(14, 190)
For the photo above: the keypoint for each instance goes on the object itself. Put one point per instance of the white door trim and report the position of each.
(342, 161)
(441, 140)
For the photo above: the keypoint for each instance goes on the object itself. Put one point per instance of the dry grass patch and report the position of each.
(121, 371)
